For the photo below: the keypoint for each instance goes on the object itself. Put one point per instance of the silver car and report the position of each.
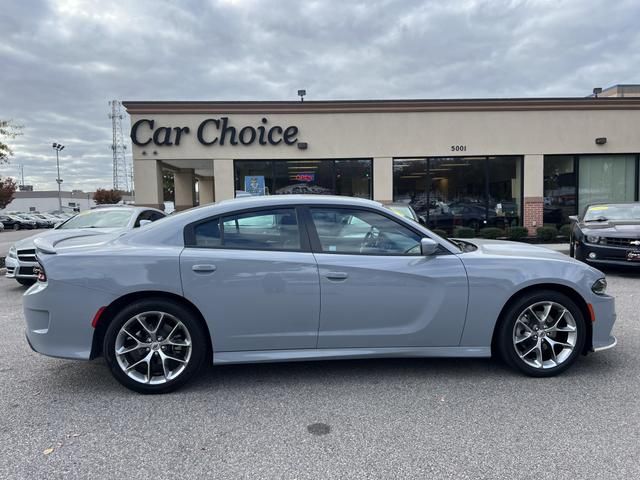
(283, 278)
(21, 259)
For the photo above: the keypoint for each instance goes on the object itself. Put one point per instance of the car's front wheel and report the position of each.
(154, 346)
(542, 333)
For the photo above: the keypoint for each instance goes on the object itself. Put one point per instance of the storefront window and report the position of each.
(560, 192)
(410, 183)
(452, 192)
(254, 177)
(606, 178)
(350, 177)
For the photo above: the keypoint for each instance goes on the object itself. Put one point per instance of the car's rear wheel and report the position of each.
(27, 282)
(542, 333)
(154, 346)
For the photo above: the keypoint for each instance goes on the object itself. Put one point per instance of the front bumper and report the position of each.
(19, 269)
(605, 316)
(607, 255)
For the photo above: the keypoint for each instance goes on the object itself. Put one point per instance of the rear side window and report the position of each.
(208, 234)
(276, 229)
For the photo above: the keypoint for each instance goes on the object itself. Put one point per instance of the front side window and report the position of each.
(276, 229)
(354, 231)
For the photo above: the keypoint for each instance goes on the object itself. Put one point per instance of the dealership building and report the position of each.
(475, 162)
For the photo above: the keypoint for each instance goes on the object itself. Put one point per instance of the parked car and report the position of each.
(50, 220)
(39, 222)
(283, 278)
(16, 222)
(21, 260)
(607, 234)
(405, 210)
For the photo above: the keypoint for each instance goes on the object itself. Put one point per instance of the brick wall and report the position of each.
(533, 213)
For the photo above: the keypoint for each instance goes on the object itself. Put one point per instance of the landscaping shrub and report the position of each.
(464, 232)
(491, 232)
(546, 234)
(517, 233)
(442, 233)
(565, 230)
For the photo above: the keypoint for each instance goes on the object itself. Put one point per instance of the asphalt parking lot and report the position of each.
(421, 418)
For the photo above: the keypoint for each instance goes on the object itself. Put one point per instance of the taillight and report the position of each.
(40, 273)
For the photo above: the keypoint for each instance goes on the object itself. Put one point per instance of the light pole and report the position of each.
(58, 147)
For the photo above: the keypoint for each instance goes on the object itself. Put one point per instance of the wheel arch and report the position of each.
(114, 307)
(568, 291)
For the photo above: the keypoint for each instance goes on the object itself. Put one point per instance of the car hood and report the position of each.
(56, 235)
(502, 248)
(612, 229)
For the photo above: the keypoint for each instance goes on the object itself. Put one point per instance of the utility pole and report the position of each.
(58, 148)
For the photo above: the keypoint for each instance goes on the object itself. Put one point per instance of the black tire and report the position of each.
(506, 330)
(195, 330)
(27, 282)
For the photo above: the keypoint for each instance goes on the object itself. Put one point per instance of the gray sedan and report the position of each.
(285, 278)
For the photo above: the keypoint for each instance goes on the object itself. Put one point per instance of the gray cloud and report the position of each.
(62, 61)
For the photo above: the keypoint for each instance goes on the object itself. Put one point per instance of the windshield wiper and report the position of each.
(599, 219)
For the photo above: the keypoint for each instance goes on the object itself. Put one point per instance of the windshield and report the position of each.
(99, 219)
(404, 211)
(619, 212)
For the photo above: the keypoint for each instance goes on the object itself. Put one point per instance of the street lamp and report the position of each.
(58, 148)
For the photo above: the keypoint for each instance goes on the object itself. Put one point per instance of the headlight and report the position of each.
(593, 239)
(599, 287)
(12, 252)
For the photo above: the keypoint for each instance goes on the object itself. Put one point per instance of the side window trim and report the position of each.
(303, 230)
(316, 245)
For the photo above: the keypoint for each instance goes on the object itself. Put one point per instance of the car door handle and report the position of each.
(203, 268)
(337, 275)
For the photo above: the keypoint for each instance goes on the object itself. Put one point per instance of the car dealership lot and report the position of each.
(385, 418)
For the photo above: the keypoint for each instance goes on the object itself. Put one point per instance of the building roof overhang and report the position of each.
(381, 106)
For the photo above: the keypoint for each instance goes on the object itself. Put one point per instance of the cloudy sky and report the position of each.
(62, 61)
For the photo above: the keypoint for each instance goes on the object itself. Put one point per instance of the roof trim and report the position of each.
(382, 106)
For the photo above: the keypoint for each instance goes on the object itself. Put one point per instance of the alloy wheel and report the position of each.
(153, 347)
(545, 335)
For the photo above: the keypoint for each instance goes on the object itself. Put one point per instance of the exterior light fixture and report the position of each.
(601, 140)
(58, 148)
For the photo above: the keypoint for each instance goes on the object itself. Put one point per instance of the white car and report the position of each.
(21, 260)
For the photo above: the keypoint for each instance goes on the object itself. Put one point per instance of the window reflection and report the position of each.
(451, 192)
(351, 177)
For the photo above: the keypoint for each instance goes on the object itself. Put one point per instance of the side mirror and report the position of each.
(573, 218)
(428, 246)
(145, 222)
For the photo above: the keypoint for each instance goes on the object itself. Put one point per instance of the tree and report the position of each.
(103, 196)
(7, 189)
(7, 130)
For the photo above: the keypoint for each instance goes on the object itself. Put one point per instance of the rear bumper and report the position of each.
(58, 318)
